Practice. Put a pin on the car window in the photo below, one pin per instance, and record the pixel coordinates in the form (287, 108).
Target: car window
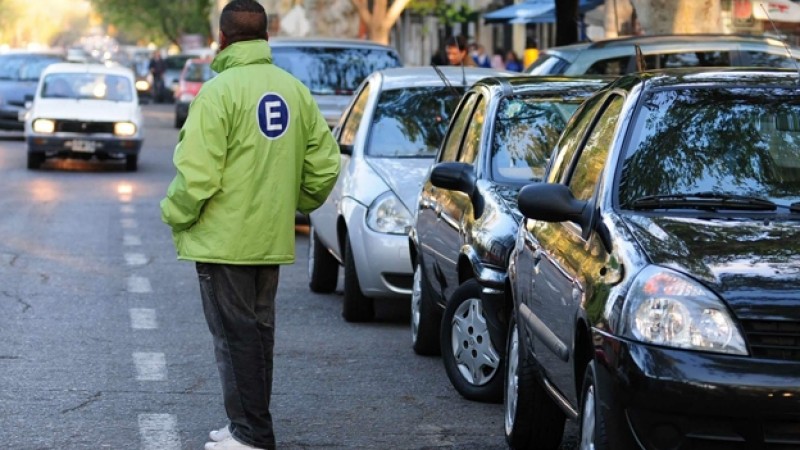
(548, 65)
(472, 139)
(730, 141)
(763, 59)
(176, 62)
(687, 59)
(350, 127)
(199, 72)
(24, 67)
(87, 86)
(592, 158)
(332, 71)
(572, 137)
(611, 66)
(411, 122)
(456, 131)
(525, 131)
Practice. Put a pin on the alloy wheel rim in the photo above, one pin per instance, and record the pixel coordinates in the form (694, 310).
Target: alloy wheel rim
(512, 381)
(475, 356)
(416, 303)
(311, 253)
(588, 421)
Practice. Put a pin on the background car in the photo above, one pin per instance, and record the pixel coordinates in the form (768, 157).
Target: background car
(389, 136)
(173, 66)
(84, 111)
(196, 72)
(19, 75)
(332, 69)
(618, 56)
(656, 280)
(466, 220)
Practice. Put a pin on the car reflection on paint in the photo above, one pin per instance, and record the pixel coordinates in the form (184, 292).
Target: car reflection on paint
(656, 278)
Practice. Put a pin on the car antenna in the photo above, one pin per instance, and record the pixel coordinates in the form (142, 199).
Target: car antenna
(463, 71)
(783, 41)
(641, 64)
(444, 79)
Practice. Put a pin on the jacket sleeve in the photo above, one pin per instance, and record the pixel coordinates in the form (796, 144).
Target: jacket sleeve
(320, 166)
(199, 160)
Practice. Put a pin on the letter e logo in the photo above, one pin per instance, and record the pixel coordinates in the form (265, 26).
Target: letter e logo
(272, 115)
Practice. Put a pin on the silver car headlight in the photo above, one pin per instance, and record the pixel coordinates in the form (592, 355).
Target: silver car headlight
(388, 215)
(664, 307)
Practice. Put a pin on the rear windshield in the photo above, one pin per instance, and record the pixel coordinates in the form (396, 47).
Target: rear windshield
(87, 86)
(548, 65)
(199, 72)
(332, 71)
(734, 141)
(411, 123)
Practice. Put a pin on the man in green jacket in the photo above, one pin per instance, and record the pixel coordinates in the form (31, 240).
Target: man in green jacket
(255, 148)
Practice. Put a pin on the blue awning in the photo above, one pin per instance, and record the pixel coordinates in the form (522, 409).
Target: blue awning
(534, 11)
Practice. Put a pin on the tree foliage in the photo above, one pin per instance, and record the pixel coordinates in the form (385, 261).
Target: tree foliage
(448, 14)
(157, 20)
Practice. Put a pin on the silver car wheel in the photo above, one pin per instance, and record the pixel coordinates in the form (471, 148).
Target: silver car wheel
(416, 303)
(588, 421)
(311, 245)
(512, 382)
(475, 356)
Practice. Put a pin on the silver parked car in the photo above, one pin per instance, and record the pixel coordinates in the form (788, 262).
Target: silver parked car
(389, 136)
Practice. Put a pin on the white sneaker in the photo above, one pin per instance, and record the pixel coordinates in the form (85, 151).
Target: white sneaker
(229, 444)
(221, 434)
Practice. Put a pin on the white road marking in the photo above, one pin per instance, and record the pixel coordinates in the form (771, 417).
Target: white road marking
(128, 223)
(131, 240)
(127, 209)
(159, 432)
(139, 285)
(135, 259)
(150, 366)
(143, 319)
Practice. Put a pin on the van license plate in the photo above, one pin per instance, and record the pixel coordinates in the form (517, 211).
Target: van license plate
(82, 146)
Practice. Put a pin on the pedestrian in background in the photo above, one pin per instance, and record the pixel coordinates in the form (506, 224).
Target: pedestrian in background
(531, 53)
(498, 59)
(254, 149)
(512, 62)
(455, 49)
(480, 56)
(157, 67)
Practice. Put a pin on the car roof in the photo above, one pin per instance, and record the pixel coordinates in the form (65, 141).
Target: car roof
(713, 77)
(529, 84)
(401, 77)
(327, 42)
(87, 68)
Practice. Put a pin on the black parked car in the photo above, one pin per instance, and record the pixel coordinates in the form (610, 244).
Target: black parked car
(466, 221)
(656, 279)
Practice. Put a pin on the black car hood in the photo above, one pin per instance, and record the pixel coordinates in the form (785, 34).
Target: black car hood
(15, 91)
(753, 264)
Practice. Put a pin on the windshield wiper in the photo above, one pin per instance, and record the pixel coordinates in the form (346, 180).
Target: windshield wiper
(704, 200)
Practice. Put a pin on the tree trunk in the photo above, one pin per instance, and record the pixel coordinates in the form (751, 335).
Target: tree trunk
(679, 16)
(618, 20)
(566, 22)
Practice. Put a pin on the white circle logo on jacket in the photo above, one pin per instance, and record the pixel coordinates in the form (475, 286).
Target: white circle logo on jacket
(272, 115)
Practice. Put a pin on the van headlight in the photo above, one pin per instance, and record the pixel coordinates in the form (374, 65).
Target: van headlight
(44, 126)
(142, 85)
(388, 215)
(664, 307)
(124, 129)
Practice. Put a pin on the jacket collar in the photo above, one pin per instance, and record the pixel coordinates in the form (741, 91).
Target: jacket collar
(241, 54)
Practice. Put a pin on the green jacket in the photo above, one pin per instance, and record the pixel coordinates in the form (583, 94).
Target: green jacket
(254, 149)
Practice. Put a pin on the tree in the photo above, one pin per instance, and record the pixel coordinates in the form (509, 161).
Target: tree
(679, 16)
(157, 20)
(381, 18)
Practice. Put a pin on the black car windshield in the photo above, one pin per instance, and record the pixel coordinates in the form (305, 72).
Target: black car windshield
(525, 132)
(24, 67)
(87, 86)
(332, 71)
(736, 148)
(411, 122)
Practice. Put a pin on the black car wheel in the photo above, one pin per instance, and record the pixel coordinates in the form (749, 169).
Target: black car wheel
(471, 360)
(356, 307)
(426, 318)
(323, 269)
(35, 160)
(593, 426)
(532, 420)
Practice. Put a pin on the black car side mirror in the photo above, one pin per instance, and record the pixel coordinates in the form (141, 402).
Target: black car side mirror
(346, 149)
(552, 203)
(454, 176)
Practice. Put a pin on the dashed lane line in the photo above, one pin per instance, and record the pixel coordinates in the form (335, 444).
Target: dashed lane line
(139, 285)
(159, 432)
(150, 366)
(143, 319)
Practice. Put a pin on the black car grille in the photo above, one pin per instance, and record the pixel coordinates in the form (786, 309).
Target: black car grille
(78, 126)
(773, 339)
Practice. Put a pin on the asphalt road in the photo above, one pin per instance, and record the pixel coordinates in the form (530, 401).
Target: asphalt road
(103, 343)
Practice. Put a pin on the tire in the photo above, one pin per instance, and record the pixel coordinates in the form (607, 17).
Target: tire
(179, 121)
(131, 163)
(471, 360)
(426, 317)
(532, 419)
(35, 160)
(356, 307)
(593, 433)
(323, 269)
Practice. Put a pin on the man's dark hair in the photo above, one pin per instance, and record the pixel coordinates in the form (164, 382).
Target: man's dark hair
(459, 41)
(243, 20)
